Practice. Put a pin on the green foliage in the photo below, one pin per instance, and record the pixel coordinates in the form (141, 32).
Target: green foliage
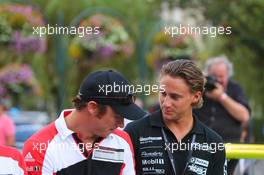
(245, 46)
(139, 12)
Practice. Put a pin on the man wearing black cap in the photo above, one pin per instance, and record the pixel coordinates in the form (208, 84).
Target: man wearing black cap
(85, 140)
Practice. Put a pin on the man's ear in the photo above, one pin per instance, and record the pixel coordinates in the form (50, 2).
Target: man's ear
(92, 108)
(196, 97)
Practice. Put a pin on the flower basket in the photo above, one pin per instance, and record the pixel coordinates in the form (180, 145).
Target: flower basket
(17, 79)
(16, 29)
(110, 42)
(166, 48)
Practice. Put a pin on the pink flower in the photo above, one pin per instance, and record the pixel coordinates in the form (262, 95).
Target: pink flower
(26, 44)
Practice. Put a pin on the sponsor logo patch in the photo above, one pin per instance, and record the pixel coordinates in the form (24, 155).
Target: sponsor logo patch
(149, 139)
(29, 158)
(152, 170)
(198, 161)
(151, 154)
(108, 154)
(197, 169)
(198, 166)
(152, 161)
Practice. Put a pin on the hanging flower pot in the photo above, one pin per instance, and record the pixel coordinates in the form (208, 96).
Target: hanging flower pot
(16, 29)
(112, 40)
(17, 79)
(166, 48)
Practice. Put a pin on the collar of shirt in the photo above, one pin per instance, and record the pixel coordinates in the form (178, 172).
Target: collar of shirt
(156, 121)
(61, 126)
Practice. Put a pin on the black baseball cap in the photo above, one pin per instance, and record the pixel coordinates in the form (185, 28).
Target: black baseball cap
(111, 88)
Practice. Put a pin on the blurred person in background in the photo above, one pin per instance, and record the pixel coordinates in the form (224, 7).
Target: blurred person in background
(225, 106)
(154, 107)
(7, 127)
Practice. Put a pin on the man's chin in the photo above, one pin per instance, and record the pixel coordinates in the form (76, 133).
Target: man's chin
(168, 116)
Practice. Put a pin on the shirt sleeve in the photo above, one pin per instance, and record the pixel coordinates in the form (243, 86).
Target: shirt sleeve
(240, 96)
(129, 168)
(220, 162)
(36, 160)
(11, 161)
(131, 132)
(128, 165)
(21, 165)
(128, 129)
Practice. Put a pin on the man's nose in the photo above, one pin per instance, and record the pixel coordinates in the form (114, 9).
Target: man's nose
(166, 101)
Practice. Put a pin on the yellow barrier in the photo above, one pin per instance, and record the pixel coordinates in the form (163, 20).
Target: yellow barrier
(246, 151)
